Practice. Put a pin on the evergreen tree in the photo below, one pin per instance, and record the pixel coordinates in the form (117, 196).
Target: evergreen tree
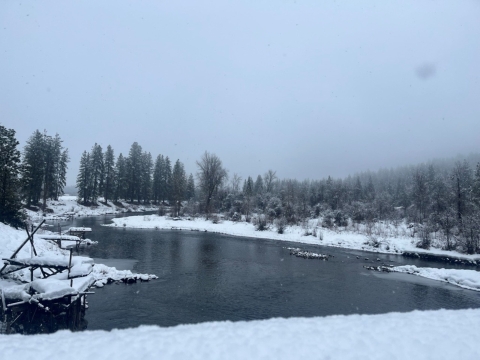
(158, 172)
(109, 174)
(476, 186)
(179, 184)
(146, 180)
(134, 172)
(258, 188)
(121, 178)
(97, 171)
(167, 181)
(33, 169)
(190, 191)
(358, 190)
(84, 179)
(461, 181)
(10, 206)
(44, 168)
(60, 178)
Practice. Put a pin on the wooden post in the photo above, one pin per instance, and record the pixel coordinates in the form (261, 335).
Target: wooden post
(69, 267)
(21, 246)
(4, 306)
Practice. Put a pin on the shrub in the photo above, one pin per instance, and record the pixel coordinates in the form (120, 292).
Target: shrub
(261, 223)
(281, 224)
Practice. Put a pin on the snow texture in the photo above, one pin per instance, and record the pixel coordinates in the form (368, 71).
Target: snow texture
(468, 279)
(67, 206)
(51, 254)
(441, 334)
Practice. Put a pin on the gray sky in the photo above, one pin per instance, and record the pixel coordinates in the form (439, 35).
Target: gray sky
(307, 88)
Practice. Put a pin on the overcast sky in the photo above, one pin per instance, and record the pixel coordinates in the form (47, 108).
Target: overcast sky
(306, 88)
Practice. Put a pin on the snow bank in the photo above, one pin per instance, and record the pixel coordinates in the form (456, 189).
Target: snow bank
(50, 254)
(468, 279)
(417, 335)
(344, 239)
(67, 206)
(104, 274)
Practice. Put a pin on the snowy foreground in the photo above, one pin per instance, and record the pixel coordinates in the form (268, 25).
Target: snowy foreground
(441, 334)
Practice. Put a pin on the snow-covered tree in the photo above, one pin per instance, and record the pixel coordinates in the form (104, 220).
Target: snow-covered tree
(10, 206)
(211, 175)
(109, 173)
(190, 191)
(179, 184)
(84, 178)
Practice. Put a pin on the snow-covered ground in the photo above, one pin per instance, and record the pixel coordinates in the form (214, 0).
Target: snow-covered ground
(344, 239)
(442, 334)
(468, 279)
(18, 282)
(67, 206)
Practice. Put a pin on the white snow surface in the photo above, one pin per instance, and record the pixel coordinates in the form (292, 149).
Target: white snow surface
(67, 206)
(49, 253)
(441, 334)
(468, 279)
(343, 239)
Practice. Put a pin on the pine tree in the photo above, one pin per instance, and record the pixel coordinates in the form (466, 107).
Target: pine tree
(358, 190)
(258, 188)
(179, 184)
(461, 181)
(97, 171)
(248, 193)
(84, 179)
(10, 205)
(52, 182)
(109, 174)
(60, 176)
(134, 172)
(190, 191)
(146, 180)
(121, 178)
(167, 181)
(476, 186)
(33, 168)
(157, 178)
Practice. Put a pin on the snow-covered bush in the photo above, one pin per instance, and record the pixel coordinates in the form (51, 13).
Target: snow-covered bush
(281, 224)
(261, 223)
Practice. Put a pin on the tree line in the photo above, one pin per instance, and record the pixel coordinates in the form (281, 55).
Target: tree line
(132, 178)
(440, 197)
(32, 177)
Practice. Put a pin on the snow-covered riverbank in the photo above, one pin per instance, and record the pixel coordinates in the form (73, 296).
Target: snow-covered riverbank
(325, 237)
(469, 279)
(438, 334)
(67, 207)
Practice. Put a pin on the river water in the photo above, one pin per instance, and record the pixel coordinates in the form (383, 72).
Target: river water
(212, 277)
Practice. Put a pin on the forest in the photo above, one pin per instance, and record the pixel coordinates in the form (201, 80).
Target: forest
(439, 199)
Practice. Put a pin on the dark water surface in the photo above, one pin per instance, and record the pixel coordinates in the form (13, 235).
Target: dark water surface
(207, 277)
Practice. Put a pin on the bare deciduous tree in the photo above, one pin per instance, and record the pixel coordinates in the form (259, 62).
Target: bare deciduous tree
(236, 179)
(211, 175)
(269, 179)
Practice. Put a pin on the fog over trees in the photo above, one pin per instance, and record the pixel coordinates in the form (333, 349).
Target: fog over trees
(439, 200)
